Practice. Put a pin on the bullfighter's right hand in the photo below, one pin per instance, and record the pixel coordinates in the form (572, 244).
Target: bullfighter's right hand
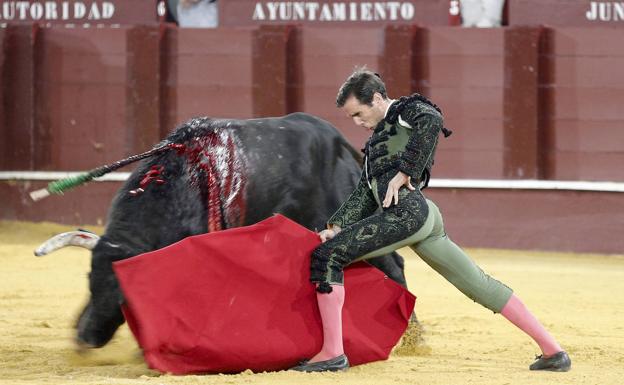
(328, 234)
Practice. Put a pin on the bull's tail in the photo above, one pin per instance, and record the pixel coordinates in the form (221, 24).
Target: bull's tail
(357, 155)
(62, 185)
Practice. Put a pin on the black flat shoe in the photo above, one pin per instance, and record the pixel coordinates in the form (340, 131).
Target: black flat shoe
(559, 362)
(332, 365)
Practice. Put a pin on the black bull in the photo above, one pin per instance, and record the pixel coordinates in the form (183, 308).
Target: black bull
(222, 173)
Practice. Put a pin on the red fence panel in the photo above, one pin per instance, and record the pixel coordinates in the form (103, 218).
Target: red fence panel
(3, 90)
(83, 78)
(466, 79)
(328, 56)
(209, 73)
(580, 221)
(18, 86)
(523, 102)
(584, 117)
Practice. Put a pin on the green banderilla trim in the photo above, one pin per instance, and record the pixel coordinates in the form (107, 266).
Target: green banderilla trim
(61, 185)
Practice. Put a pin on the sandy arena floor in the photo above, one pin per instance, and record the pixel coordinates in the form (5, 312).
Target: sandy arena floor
(580, 298)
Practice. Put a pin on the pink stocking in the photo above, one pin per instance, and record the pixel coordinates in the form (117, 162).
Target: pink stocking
(519, 315)
(330, 307)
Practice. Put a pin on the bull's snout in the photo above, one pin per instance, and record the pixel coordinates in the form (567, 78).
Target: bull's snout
(82, 347)
(96, 330)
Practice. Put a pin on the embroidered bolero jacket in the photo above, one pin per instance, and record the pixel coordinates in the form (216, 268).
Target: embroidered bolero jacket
(405, 140)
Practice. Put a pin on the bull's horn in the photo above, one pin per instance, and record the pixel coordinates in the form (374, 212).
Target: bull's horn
(80, 238)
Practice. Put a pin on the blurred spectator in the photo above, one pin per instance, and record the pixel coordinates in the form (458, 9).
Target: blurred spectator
(194, 13)
(481, 13)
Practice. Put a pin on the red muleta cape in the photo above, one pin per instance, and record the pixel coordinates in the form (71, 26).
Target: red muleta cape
(241, 298)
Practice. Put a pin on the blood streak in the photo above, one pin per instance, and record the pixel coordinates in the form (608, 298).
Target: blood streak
(178, 147)
(154, 174)
(217, 159)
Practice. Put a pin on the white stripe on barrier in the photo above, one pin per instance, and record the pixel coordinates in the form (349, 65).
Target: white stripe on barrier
(527, 184)
(506, 184)
(56, 175)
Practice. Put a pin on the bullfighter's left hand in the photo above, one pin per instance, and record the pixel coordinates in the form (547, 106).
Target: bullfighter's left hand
(392, 194)
(328, 234)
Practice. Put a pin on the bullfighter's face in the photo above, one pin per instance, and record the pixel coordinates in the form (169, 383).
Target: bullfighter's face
(366, 115)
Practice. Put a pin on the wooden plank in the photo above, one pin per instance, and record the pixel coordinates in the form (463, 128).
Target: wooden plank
(521, 102)
(3, 90)
(83, 96)
(397, 63)
(270, 71)
(143, 87)
(469, 102)
(466, 71)
(464, 163)
(19, 99)
(517, 219)
(590, 166)
(466, 41)
(589, 135)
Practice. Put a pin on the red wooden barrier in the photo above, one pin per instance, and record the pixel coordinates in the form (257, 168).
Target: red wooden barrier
(466, 79)
(80, 97)
(3, 90)
(328, 56)
(399, 64)
(521, 103)
(524, 102)
(143, 87)
(583, 84)
(87, 205)
(579, 221)
(18, 84)
(209, 73)
(85, 83)
(270, 70)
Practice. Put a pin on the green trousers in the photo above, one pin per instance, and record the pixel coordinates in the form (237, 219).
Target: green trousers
(430, 242)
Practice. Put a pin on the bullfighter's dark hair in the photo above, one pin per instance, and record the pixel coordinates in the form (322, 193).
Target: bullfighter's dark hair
(362, 83)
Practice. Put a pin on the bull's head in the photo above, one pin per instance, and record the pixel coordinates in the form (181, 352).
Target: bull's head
(102, 315)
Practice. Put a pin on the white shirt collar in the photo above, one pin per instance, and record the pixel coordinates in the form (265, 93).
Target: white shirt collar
(387, 108)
